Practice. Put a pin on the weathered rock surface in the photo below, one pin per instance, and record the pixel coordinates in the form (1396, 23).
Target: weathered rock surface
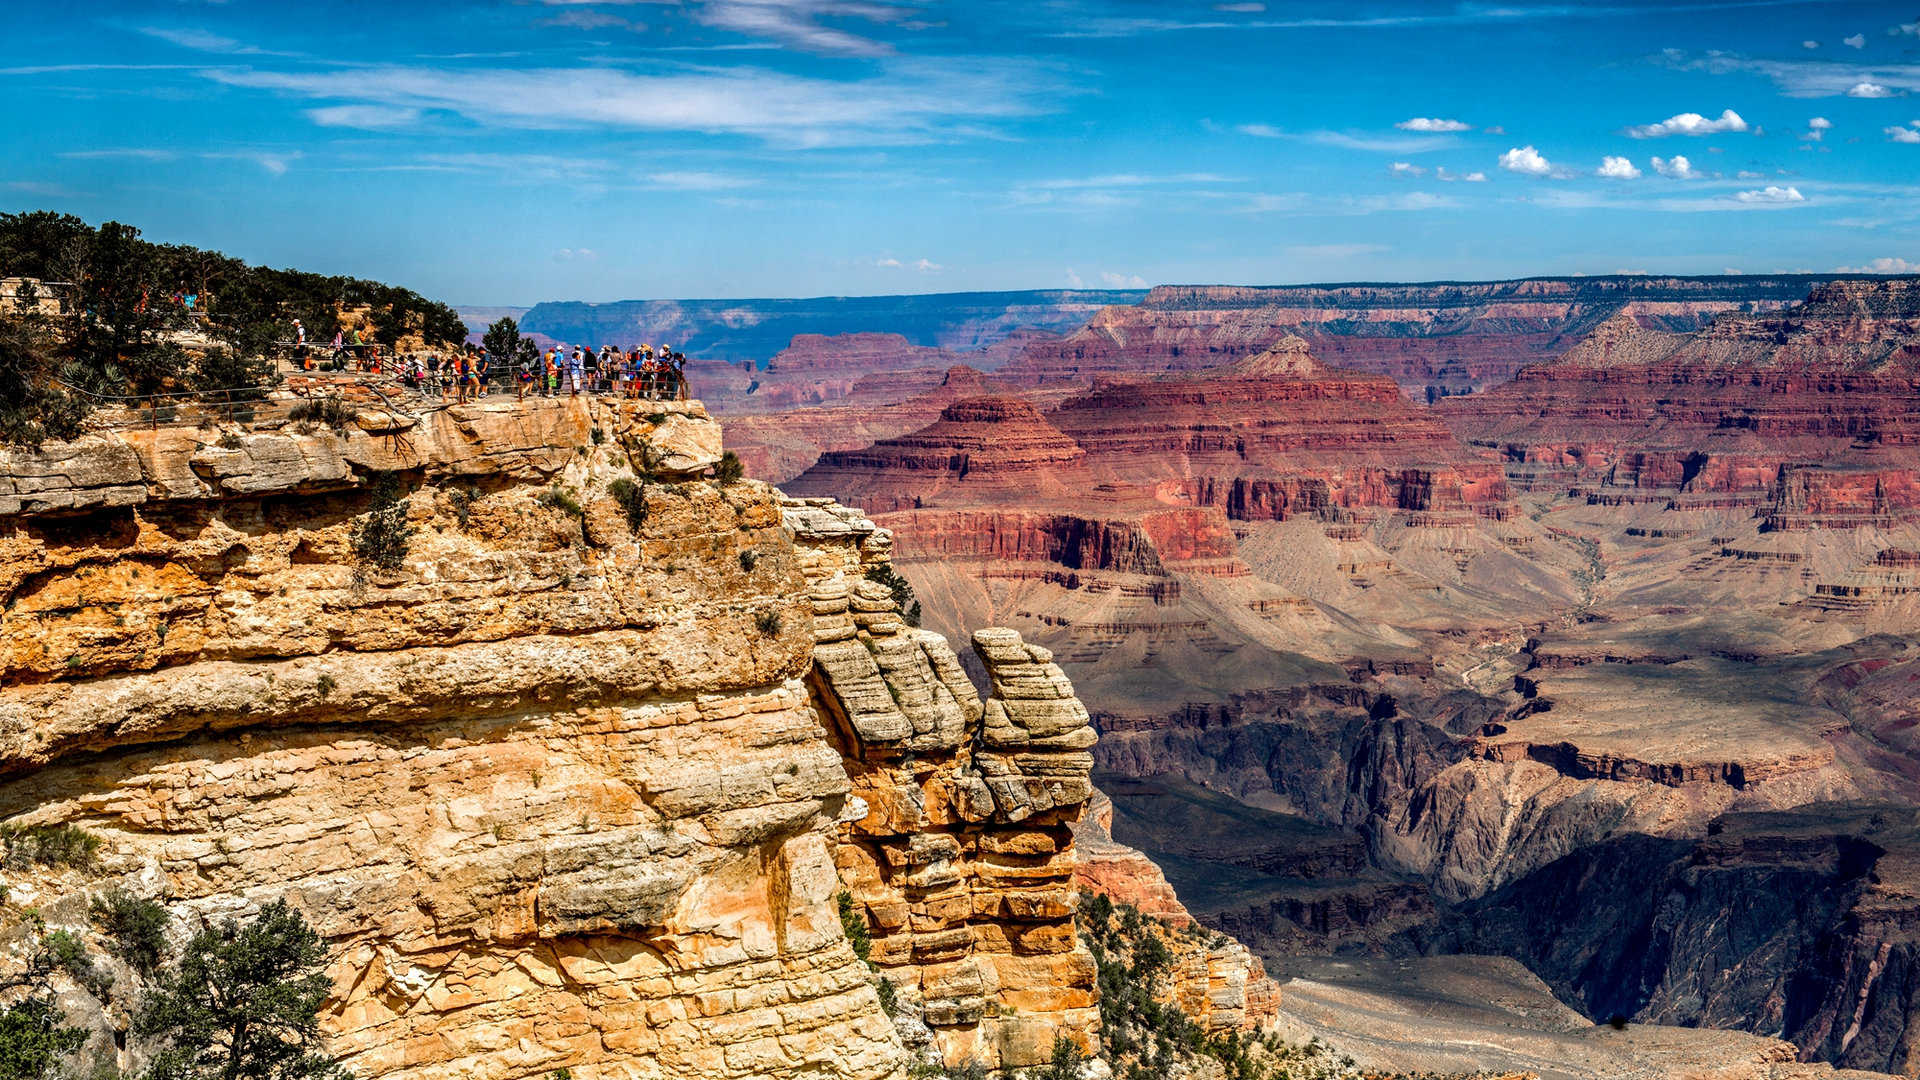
(963, 857)
(565, 787)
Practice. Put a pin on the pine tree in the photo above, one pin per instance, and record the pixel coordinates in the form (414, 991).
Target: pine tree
(243, 1004)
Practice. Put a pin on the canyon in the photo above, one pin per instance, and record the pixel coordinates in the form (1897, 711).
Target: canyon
(1440, 734)
(1381, 681)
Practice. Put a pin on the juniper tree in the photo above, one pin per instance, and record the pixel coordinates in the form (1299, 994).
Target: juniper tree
(243, 1004)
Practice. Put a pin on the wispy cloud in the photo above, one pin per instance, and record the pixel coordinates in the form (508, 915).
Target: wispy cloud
(1471, 177)
(699, 181)
(1806, 78)
(925, 101)
(1354, 140)
(368, 117)
(1429, 123)
(274, 162)
(806, 25)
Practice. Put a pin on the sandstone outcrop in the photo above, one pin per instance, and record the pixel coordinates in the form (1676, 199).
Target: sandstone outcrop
(963, 857)
(564, 781)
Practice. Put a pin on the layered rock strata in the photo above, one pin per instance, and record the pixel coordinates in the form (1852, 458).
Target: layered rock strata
(554, 775)
(1805, 416)
(961, 853)
(1443, 337)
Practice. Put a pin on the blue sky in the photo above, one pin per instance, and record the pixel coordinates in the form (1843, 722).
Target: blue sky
(504, 153)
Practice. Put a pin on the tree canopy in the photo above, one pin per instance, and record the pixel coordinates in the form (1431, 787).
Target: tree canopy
(124, 299)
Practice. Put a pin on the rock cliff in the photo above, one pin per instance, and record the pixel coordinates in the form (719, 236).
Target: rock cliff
(558, 764)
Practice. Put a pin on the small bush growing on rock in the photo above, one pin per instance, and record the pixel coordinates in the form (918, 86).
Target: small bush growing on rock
(463, 499)
(749, 559)
(729, 469)
(136, 929)
(324, 685)
(33, 1040)
(381, 538)
(632, 499)
(902, 591)
(889, 997)
(1065, 1063)
(769, 623)
(855, 925)
(49, 845)
(331, 410)
(564, 500)
(1617, 1022)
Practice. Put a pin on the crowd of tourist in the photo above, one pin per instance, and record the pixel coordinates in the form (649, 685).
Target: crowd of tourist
(470, 372)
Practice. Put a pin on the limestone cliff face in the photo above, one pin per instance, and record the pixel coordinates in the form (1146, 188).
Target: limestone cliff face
(960, 849)
(564, 787)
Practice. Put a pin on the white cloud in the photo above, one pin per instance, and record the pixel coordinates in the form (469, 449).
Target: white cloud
(1881, 266)
(1809, 44)
(1868, 90)
(1526, 161)
(1676, 168)
(1772, 194)
(1241, 8)
(1122, 281)
(1471, 178)
(1903, 134)
(888, 263)
(1858, 41)
(1496, 130)
(1911, 29)
(1348, 140)
(1618, 168)
(1402, 168)
(370, 117)
(1432, 124)
(1073, 279)
(1261, 131)
(1690, 124)
(1335, 251)
(927, 266)
(575, 255)
(1130, 180)
(1817, 129)
(901, 103)
(698, 181)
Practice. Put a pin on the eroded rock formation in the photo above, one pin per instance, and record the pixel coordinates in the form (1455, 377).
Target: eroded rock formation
(557, 777)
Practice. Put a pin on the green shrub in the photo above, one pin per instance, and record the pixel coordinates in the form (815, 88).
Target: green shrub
(889, 996)
(564, 500)
(49, 845)
(902, 591)
(632, 499)
(770, 623)
(729, 470)
(463, 499)
(330, 410)
(325, 684)
(136, 929)
(749, 559)
(33, 1039)
(382, 536)
(855, 925)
